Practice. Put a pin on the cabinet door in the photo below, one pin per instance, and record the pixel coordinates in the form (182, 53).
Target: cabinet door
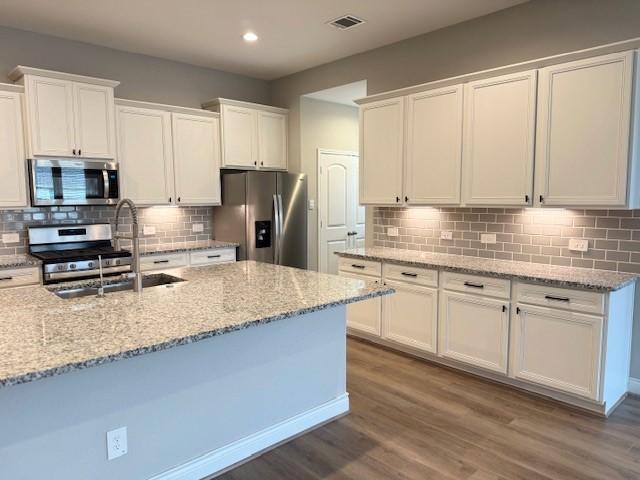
(94, 120)
(498, 148)
(410, 316)
(364, 316)
(50, 116)
(196, 159)
(145, 155)
(474, 330)
(434, 147)
(584, 115)
(272, 135)
(13, 192)
(239, 137)
(558, 349)
(381, 147)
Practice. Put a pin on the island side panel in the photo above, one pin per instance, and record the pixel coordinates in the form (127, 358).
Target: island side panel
(178, 404)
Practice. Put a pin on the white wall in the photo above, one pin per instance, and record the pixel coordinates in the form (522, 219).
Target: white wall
(323, 125)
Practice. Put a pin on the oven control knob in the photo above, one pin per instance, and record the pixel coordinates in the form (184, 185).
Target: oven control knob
(72, 266)
(107, 263)
(90, 264)
(60, 267)
(117, 262)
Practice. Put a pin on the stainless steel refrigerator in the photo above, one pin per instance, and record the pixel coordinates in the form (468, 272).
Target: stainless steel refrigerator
(266, 213)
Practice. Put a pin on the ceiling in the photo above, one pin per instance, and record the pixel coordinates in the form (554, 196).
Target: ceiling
(343, 94)
(293, 33)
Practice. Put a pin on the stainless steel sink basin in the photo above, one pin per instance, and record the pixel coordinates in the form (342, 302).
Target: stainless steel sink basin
(91, 288)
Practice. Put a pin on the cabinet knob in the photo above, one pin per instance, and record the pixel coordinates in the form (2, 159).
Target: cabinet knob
(74, 151)
(179, 199)
(526, 199)
(261, 163)
(397, 199)
(170, 199)
(255, 163)
(79, 152)
(541, 199)
(406, 199)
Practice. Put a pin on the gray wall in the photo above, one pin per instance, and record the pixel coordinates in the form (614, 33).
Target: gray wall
(142, 77)
(329, 126)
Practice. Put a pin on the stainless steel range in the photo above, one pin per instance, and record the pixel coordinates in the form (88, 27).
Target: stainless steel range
(72, 252)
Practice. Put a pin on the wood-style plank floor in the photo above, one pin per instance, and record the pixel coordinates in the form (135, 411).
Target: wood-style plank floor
(411, 419)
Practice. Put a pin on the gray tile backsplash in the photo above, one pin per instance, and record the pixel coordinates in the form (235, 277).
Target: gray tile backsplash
(173, 224)
(529, 235)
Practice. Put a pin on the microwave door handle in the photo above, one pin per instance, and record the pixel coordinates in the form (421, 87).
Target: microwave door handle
(105, 181)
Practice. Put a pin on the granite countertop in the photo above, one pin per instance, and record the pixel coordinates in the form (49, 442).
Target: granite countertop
(18, 261)
(42, 335)
(186, 247)
(568, 277)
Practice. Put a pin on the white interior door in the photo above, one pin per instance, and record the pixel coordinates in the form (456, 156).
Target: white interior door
(341, 218)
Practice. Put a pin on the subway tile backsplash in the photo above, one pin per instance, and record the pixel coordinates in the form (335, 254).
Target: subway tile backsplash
(528, 235)
(173, 224)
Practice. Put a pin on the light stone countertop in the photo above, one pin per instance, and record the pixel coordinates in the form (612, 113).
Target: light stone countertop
(186, 247)
(557, 276)
(42, 335)
(18, 261)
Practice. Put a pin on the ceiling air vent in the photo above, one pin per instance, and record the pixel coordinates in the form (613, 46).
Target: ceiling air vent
(346, 21)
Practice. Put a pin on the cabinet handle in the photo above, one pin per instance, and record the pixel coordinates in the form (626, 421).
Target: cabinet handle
(354, 265)
(541, 199)
(170, 199)
(179, 199)
(255, 163)
(160, 261)
(4, 279)
(79, 152)
(213, 256)
(557, 299)
(408, 274)
(261, 163)
(526, 199)
(397, 199)
(406, 199)
(504, 308)
(473, 285)
(517, 310)
(74, 151)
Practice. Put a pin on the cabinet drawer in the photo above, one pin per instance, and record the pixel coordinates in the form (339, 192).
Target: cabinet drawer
(489, 286)
(163, 261)
(210, 257)
(17, 277)
(414, 275)
(562, 298)
(361, 267)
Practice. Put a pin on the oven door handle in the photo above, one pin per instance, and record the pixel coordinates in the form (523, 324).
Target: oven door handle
(105, 182)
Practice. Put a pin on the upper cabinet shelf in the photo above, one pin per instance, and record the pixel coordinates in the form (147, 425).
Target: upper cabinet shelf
(68, 115)
(573, 127)
(254, 136)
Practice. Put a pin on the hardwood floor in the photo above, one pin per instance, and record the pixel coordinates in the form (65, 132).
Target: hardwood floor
(414, 420)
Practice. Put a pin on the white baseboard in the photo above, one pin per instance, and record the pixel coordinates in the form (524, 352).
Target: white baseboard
(235, 452)
(634, 385)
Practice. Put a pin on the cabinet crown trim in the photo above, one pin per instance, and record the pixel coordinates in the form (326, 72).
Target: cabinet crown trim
(123, 102)
(20, 71)
(216, 102)
(9, 87)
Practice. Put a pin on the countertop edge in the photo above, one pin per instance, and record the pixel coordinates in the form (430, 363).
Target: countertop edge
(473, 271)
(84, 364)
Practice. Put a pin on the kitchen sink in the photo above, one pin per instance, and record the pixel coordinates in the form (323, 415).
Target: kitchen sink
(91, 288)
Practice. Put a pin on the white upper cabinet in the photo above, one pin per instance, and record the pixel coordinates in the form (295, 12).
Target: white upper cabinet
(583, 138)
(145, 153)
(68, 115)
(254, 136)
(381, 151)
(196, 150)
(498, 146)
(13, 183)
(434, 147)
(272, 140)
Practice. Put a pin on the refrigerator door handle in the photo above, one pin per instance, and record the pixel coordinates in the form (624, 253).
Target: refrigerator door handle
(276, 229)
(280, 228)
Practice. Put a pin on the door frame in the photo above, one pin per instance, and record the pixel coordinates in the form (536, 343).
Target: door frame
(319, 152)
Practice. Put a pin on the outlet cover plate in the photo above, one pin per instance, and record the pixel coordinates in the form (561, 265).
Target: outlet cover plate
(579, 244)
(446, 235)
(392, 231)
(488, 238)
(149, 230)
(10, 238)
(117, 443)
(197, 227)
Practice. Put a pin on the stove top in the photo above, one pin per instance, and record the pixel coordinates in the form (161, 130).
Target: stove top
(79, 254)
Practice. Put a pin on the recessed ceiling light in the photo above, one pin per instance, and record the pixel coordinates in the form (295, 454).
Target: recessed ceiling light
(250, 37)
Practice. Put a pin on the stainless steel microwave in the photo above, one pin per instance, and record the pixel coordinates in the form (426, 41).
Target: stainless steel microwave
(73, 182)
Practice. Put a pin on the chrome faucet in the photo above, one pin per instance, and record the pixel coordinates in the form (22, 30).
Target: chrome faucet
(135, 240)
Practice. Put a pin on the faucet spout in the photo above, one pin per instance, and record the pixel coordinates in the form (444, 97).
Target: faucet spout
(135, 240)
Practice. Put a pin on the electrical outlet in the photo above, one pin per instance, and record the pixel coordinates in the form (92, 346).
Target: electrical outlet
(197, 227)
(117, 443)
(488, 238)
(149, 230)
(578, 244)
(10, 238)
(392, 231)
(446, 235)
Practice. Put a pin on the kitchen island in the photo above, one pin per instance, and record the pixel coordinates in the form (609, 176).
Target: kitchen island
(260, 357)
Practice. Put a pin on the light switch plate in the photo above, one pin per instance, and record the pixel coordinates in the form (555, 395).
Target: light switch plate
(197, 227)
(446, 235)
(392, 231)
(578, 244)
(488, 238)
(10, 238)
(149, 230)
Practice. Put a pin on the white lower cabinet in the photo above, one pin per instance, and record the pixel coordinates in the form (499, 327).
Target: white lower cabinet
(365, 317)
(558, 349)
(410, 316)
(163, 261)
(212, 257)
(474, 330)
(18, 277)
